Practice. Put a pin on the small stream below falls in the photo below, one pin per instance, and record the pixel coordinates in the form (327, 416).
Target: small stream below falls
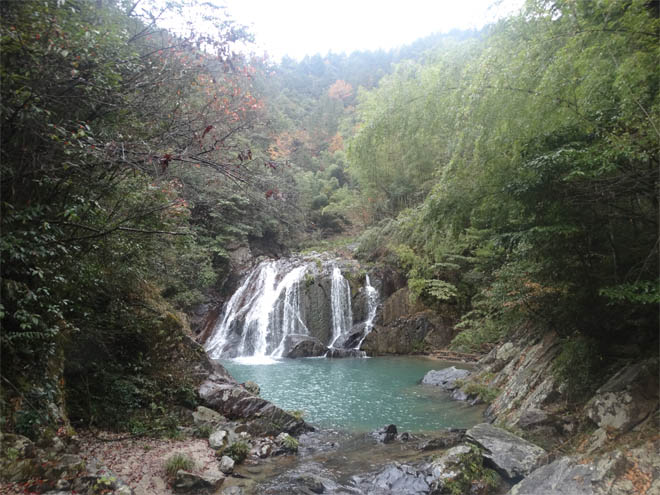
(357, 394)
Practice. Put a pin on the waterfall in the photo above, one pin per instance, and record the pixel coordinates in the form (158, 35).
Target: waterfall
(263, 311)
(342, 316)
(372, 307)
(283, 303)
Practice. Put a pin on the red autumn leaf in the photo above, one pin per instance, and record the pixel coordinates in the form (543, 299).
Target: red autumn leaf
(207, 130)
(164, 162)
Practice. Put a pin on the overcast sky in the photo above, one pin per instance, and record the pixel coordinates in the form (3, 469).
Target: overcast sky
(305, 27)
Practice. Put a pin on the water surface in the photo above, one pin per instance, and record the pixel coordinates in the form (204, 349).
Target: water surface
(358, 394)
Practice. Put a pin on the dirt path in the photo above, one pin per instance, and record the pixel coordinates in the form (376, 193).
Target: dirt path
(140, 461)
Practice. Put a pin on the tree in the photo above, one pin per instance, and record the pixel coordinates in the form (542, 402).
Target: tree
(541, 143)
(340, 90)
(108, 123)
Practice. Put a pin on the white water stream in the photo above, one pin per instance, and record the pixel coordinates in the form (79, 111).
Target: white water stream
(266, 309)
(342, 314)
(372, 307)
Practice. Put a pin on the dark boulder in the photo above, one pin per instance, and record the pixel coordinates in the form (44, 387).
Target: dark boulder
(355, 337)
(300, 346)
(386, 434)
(233, 401)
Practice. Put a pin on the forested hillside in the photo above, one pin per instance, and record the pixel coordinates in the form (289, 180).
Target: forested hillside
(517, 177)
(510, 173)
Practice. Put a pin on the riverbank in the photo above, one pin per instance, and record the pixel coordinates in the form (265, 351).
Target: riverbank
(482, 459)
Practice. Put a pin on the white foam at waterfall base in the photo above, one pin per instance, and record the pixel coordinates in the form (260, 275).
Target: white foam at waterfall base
(256, 360)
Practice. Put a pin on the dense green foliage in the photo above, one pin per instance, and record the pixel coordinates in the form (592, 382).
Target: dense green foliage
(511, 173)
(125, 162)
(538, 148)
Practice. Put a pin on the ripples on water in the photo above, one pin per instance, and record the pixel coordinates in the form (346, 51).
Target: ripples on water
(357, 394)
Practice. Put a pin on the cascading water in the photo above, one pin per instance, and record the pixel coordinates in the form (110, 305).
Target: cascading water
(342, 315)
(372, 307)
(262, 312)
(284, 302)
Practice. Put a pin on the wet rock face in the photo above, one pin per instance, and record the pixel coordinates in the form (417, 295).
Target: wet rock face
(445, 378)
(316, 295)
(316, 307)
(410, 334)
(627, 398)
(524, 374)
(615, 473)
(510, 455)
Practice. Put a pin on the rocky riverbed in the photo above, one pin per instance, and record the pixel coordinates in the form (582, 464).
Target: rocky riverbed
(531, 442)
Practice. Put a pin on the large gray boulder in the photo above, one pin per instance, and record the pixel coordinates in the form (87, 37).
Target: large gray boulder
(300, 346)
(203, 416)
(510, 455)
(226, 465)
(446, 467)
(399, 479)
(445, 378)
(562, 477)
(224, 395)
(627, 398)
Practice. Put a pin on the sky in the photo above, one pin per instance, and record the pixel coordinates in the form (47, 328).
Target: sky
(305, 27)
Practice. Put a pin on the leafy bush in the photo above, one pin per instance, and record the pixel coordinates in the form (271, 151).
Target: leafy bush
(319, 202)
(178, 462)
(484, 392)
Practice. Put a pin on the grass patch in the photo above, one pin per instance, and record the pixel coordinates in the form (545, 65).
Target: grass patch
(178, 462)
(291, 444)
(238, 451)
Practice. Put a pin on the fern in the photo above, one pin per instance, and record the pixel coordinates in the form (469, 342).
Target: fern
(441, 290)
